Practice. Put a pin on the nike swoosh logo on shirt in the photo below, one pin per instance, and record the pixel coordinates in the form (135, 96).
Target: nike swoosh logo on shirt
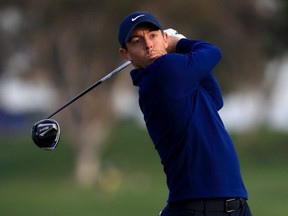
(135, 18)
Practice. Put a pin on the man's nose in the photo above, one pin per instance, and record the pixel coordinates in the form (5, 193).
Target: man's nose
(148, 43)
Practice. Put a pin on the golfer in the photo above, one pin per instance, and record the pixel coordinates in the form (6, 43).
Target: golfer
(180, 99)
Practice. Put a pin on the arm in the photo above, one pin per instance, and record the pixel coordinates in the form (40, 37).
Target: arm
(179, 73)
(212, 87)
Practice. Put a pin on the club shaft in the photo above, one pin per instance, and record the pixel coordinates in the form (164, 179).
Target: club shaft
(108, 76)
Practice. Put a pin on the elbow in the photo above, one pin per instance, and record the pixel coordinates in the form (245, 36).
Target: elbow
(218, 53)
(220, 104)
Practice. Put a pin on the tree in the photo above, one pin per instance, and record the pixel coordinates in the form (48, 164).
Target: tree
(72, 43)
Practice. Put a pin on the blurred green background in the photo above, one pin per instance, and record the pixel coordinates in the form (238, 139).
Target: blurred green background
(105, 164)
(37, 182)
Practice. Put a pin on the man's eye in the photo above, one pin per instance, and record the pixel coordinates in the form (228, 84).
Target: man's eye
(135, 41)
(153, 35)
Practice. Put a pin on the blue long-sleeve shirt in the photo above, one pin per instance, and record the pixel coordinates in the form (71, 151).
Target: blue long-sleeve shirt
(180, 99)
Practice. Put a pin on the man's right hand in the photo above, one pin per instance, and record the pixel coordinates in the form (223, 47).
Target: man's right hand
(173, 32)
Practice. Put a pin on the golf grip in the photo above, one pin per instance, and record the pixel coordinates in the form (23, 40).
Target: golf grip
(108, 76)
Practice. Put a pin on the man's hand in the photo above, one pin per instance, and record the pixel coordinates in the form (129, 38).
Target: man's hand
(173, 32)
(173, 39)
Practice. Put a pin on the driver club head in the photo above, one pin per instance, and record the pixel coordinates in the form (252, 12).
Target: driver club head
(46, 134)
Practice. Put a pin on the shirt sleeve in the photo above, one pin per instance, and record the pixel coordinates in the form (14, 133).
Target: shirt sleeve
(212, 88)
(177, 74)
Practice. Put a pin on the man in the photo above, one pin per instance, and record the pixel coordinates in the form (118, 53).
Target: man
(180, 100)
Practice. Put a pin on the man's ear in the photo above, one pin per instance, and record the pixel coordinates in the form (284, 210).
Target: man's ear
(125, 54)
(166, 39)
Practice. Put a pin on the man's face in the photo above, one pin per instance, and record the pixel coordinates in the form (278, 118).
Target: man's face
(145, 45)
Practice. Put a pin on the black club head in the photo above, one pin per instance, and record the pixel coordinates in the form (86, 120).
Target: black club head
(46, 134)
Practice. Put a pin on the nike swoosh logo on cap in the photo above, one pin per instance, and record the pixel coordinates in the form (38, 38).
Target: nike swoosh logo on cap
(135, 18)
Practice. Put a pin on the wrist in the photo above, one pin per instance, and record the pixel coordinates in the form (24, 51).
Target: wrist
(173, 39)
(172, 44)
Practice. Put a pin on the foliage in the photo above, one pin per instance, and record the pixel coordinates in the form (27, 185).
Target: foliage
(71, 43)
(247, 34)
(277, 43)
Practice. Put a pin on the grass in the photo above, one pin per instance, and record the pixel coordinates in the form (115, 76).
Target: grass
(37, 182)
(263, 156)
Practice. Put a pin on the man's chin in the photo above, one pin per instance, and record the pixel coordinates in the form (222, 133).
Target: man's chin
(150, 61)
(147, 62)
(153, 58)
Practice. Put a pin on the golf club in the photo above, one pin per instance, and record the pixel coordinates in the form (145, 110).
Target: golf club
(46, 132)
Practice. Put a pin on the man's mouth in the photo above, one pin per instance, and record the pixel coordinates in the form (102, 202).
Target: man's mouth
(152, 54)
